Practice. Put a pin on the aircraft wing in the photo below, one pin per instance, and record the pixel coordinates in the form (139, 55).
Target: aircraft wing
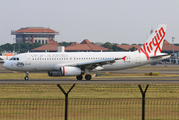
(92, 65)
(160, 55)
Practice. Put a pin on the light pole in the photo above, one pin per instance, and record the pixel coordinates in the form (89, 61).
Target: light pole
(19, 46)
(173, 49)
(14, 44)
(173, 43)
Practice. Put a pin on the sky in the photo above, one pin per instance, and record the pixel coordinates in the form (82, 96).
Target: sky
(115, 21)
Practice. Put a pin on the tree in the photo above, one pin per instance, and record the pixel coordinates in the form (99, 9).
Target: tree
(132, 49)
(124, 44)
(65, 43)
(107, 45)
(115, 48)
(24, 47)
(177, 44)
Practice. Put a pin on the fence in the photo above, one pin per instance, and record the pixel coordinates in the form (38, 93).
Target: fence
(29, 102)
(88, 109)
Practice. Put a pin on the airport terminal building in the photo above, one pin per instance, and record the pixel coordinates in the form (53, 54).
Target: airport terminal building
(34, 34)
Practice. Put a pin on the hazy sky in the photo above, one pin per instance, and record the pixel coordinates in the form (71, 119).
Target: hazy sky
(115, 21)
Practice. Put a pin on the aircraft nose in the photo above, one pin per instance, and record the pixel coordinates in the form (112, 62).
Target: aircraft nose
(5, 65)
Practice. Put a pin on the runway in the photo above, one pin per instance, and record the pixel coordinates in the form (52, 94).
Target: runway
(94, 81)
(162, 69)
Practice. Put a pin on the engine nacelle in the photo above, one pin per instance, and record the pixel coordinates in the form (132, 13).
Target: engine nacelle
(66, 71)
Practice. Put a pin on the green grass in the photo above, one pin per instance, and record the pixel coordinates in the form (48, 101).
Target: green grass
(44, 91)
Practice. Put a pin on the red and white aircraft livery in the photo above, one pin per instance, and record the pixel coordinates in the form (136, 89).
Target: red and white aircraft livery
(80, 63)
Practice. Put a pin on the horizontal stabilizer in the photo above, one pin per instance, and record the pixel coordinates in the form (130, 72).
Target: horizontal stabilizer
(160, 55)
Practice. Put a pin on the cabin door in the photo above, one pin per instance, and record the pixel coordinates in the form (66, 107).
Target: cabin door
(28, 60)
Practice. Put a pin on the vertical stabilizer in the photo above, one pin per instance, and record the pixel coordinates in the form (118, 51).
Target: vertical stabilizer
(154, 44)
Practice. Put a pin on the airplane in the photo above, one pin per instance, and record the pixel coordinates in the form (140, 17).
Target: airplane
(82, 63)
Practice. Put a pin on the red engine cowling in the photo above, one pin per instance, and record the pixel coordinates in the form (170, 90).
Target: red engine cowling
(66, 71)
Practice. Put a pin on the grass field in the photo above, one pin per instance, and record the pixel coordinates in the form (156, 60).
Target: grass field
(46, 91)
(88, 102)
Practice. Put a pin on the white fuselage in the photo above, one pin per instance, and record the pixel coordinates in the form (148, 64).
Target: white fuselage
(53, 60)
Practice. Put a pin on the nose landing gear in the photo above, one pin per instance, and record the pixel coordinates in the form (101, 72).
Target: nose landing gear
(26, 77)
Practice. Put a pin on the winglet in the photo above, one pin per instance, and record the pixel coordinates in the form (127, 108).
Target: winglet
(124, 58)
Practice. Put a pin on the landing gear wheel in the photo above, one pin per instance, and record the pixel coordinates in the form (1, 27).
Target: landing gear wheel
(26, 78)
(79, 77)
(88, 77)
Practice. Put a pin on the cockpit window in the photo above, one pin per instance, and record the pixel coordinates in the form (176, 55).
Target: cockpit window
(14, 58)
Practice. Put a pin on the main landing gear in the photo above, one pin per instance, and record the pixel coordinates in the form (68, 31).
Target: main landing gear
(79, 77)
(87, 77)
(26, 77)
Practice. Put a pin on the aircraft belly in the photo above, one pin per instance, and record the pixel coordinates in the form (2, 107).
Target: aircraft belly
(117, 66)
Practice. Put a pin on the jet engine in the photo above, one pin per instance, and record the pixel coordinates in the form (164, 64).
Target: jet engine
(66, 71)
